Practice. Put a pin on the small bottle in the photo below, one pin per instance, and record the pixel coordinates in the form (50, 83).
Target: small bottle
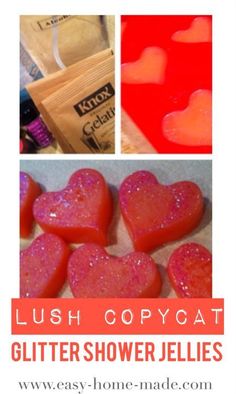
(26, 144)
(31, 120)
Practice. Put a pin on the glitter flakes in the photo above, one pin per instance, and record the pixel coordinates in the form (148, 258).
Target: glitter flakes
(52, 215)
(190, 271)
(92, 273)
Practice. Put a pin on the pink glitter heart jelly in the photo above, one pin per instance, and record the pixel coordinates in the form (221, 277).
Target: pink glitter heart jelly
(81, 212)
(154, 213)
(92, 273)
(190, 271)
(43, 267)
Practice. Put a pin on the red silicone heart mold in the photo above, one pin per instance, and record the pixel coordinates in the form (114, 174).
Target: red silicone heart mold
(186, 42)
(92, 273)
(81, 212)
(154, 213)
(190, 271)
(43, 267)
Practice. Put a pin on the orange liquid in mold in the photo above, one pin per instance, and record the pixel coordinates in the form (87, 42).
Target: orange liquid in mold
(193, 125)
(149, 68)
(199, 31)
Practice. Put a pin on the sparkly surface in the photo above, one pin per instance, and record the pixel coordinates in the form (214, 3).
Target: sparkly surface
(92, 273)
(156, 213)
(193, 125)
(81, 209)
(43, 267)
(54, 175)
(190, 271)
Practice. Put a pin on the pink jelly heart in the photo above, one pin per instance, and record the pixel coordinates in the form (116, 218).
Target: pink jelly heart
(149, 68)
(190, 271)
(193, 125)
(43, 267)
(199, 31)
(93, 273)
(156, 213)
(81, 212)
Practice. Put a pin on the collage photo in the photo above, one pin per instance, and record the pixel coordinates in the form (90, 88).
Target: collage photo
(118, 197)
(118, 193)
(115, 156)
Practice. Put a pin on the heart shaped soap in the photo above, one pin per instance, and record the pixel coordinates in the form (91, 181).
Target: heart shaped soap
(149, 68)
(193, 125)
(155, 213)
(81, 212)
(190, 271)
(199, 31)
(43, 267)
(92, 273)
(29, 191)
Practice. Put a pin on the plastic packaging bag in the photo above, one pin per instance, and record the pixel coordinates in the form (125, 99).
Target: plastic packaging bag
(55, 41)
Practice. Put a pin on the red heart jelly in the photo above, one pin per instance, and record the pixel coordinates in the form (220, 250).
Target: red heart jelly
(81, 212)
(92, 273)
(154, 213)
(190, 271)
(43, 267)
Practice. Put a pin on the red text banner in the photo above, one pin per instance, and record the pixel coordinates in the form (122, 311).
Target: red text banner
(118, 316)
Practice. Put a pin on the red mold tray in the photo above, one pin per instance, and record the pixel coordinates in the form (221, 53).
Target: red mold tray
(189, 68)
